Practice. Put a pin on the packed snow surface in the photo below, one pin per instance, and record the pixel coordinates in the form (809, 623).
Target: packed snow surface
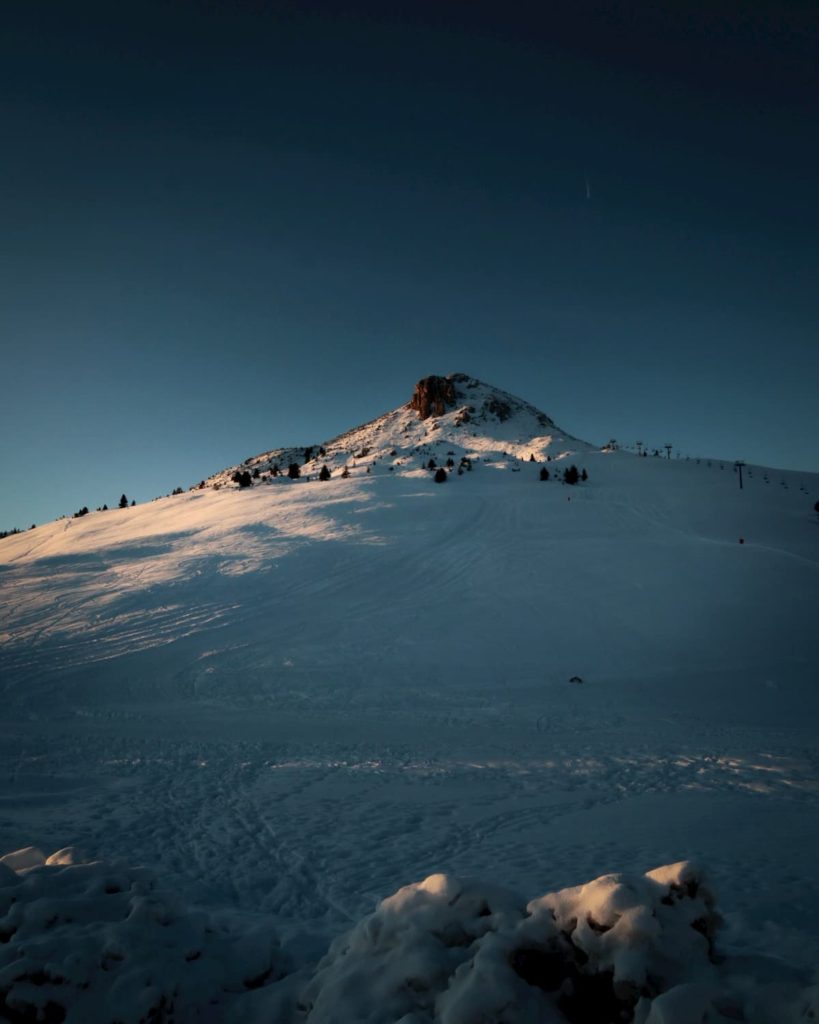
(287, 701)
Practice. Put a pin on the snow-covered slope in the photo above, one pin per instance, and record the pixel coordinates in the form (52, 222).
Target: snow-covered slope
(295, 697)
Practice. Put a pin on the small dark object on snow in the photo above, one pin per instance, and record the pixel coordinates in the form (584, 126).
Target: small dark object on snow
(576, 679)
(741, 540)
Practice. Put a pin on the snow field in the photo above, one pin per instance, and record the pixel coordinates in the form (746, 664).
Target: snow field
(288, 701)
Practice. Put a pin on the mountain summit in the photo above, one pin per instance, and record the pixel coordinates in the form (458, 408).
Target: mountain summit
(452, 417)
(470, 398)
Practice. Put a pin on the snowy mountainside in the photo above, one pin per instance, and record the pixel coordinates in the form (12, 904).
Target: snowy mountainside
(292, 699)
(447, 417)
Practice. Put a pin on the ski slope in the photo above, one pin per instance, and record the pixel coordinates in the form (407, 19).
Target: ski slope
(292, 699)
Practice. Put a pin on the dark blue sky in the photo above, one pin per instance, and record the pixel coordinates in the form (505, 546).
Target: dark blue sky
(231, 226)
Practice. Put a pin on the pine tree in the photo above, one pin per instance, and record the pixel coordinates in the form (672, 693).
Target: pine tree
(570, 475)
(293, 471)
(345, 473)
(544, 473)
(584, 475)
(123, 502)
(440, 476)
(324, 474)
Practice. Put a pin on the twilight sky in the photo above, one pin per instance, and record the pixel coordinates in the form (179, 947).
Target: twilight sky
(232, 226)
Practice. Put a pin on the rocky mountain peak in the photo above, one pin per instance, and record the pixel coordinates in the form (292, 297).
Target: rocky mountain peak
(432, 396)
(452, 416)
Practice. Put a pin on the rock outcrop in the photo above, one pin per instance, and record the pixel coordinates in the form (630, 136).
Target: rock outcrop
(432, 397)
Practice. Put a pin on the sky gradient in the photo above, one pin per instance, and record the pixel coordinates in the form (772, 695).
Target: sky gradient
(233, 226)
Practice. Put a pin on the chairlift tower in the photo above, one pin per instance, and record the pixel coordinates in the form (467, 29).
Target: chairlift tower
(738, 465)
(668, 448)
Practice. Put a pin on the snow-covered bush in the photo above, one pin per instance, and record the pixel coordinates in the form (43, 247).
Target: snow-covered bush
(90, 942)
(623, 948)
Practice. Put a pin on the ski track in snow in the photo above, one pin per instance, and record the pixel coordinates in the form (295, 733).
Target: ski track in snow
(318, 841)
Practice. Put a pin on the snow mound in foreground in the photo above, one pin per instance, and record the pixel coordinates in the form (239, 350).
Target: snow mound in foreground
(637, 948)
(95, 943)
